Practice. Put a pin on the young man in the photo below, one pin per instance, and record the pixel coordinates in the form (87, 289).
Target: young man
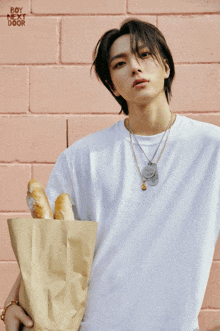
(152, 183)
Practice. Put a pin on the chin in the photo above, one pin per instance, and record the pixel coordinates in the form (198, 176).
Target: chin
(144, 99)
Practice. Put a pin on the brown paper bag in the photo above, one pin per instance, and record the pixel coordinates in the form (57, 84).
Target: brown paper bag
(55, 259)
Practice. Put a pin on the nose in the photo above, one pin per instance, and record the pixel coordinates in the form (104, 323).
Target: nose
(135, 66)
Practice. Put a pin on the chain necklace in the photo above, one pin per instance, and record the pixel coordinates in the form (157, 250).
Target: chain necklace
(159, 142)
(150, 172)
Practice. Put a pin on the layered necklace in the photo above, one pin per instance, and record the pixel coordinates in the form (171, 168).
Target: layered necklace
(150, 172)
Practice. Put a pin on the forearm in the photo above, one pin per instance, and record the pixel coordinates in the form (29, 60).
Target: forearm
(13, 295)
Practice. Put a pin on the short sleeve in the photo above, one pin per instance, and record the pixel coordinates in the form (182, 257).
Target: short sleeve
(217, 232)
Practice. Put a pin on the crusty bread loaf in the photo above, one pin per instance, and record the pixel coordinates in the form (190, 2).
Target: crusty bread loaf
(33, 184)
(63, 208)
(37, 201)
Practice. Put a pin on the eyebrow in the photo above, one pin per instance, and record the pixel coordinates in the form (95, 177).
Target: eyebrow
(118, 56)
(125, 54)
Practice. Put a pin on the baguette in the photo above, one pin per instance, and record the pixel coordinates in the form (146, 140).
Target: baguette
(63, 208)
(37, 201)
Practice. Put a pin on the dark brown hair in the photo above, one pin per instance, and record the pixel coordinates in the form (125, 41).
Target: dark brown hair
(150, 35)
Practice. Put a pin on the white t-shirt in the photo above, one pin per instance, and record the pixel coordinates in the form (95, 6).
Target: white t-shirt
(154, 248)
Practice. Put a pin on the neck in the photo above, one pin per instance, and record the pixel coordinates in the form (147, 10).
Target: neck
(149, 119)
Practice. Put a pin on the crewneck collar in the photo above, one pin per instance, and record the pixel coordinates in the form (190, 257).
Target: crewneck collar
(152, 139)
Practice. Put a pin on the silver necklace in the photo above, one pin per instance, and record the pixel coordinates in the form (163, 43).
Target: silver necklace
(150, 172)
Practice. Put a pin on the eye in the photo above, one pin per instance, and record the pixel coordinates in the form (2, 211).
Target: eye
(145, 54)
(118, 65)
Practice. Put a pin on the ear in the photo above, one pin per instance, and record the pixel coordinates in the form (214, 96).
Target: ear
(167, 69)
(114, 91)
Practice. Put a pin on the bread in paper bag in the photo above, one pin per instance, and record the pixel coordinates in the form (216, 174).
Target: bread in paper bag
(55, 258)
(37, 201)
(63, 208)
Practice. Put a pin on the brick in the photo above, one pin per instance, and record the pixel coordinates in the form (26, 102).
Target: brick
(192, 38)
(8, 274)
(217, 251)
(209, 320)
(79, 7)
(195, 88)
(13, 189)
(32, 139)
(212, 294)
(5, 6)
(14, 89)
(36, 42)
(41, 172)
(69, 90)
(6, 251)
(208, 118)
(80, 34)
(81, 126)
(170, 6)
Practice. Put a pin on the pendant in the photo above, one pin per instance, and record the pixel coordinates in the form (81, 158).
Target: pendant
(150, 174)
(143, 186)
(150, 170)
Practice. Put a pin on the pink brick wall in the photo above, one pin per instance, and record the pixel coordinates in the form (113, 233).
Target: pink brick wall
(48, 99)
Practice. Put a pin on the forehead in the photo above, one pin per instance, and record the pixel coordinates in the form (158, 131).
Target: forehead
(122, 44)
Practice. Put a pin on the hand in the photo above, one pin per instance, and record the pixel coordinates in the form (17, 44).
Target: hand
(14, 316)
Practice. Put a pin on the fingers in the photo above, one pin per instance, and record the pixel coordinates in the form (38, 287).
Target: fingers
(14, 316)
(12, 325)
(25, 328)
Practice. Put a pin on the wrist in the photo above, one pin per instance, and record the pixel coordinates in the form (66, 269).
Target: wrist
(14, 293)
(10, 299)
(13, 302)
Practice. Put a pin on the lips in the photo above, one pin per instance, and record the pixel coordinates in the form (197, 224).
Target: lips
(138, 81)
